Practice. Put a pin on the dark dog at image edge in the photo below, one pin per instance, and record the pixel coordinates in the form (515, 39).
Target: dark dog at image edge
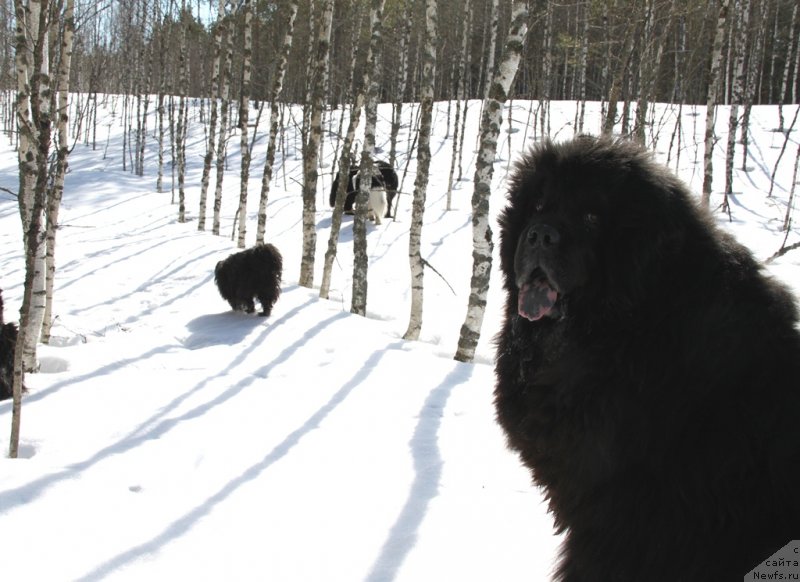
(254, 273)
(8, 342)
(648, 371)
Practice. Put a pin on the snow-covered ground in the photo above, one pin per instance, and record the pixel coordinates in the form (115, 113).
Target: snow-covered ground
(168, 438)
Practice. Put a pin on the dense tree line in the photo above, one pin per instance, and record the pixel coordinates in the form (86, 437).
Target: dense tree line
(575, 50)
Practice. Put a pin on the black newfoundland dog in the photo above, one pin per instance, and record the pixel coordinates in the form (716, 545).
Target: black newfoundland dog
(248, 275)
(384, 176)
(648, 372)
(8, 342)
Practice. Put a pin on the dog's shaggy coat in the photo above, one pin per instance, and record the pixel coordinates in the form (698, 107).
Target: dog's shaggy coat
(648, 371)
(254, 273)
(8, 342)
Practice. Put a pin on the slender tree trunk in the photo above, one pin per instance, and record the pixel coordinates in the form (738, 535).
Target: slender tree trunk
(311, 157)
(582, 64)
(358, 303)
(397, 106)
(55, 194)
(787, 65)
(423, 167)
(244, 107)
(739, 25)
(345, 161)
(711, 101)
(225, 91)
(277, 88)
(34, 126)
(459, 89)
(181, 128)
(212, 124)
(481, 230)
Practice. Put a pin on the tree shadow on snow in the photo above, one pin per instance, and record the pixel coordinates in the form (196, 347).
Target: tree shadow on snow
(428, 468)
(185, 523)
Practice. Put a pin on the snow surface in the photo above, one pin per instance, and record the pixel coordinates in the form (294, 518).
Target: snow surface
(168, 438)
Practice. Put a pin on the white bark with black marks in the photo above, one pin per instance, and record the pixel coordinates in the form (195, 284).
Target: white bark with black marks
(277, 87)
(491, 122)
(711, 101)
(311, 154)
(358, 303)
(423, 167)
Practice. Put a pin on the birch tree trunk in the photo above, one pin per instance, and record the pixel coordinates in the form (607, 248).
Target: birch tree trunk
(62, 152)
(244, 107)
(180, 144)
(459, 89)
(397, 105)
(212, 122)
(484, 168)
(711, 101)
(787, 66)
(423, 167)
(280, 73)
(358, 304)
(739, 25)
(344, 171)
(645, 71)
(311, 157)
(225, 91)
(34, 126)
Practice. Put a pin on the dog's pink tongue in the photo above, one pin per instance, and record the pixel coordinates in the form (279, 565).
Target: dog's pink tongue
(536, 300)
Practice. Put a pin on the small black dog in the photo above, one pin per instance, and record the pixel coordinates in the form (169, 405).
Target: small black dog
(8, 341)
(248, 275)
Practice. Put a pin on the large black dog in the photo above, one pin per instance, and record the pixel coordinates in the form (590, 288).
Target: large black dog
(648, 371)
(248, 275)
(8, 342)
(384, 176)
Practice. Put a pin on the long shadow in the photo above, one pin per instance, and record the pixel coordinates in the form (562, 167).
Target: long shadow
(185, 523)
(155, 426)
(428, 468)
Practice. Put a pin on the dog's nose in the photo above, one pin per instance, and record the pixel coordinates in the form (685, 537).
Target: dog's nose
(543, 236)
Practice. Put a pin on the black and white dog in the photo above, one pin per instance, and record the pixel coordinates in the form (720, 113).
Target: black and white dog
(248, 275)
(382, 190)
(8, 342)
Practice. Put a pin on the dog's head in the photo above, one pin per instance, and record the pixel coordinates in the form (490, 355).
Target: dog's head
(586, 223)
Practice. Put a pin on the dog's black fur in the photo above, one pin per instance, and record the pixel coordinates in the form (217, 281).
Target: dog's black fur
(8, 342)
(648, 371)
(385, 177)
(254, 273)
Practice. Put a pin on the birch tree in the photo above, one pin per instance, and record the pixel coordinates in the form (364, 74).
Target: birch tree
(244, 106)
(180, 131)
(33, 112)
(423, 167)
(311, 154)
(345, 161)
(61, 96)
(358, 304)
(274, 116)
(711, 101)
(739, 32)
(219, 29)
(491, 122)
(225, 91)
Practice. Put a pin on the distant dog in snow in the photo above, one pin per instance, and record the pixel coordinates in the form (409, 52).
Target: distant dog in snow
(384, 177)
(8, 341)
(248, 275)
